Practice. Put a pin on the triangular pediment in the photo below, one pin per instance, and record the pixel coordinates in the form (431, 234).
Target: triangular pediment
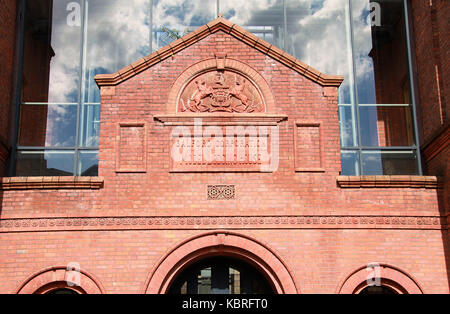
(219, 24)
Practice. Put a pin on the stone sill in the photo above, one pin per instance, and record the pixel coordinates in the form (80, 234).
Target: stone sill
(427, 182)
(51, 183)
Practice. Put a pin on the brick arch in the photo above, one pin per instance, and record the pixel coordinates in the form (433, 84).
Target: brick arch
(221, 243)
(391, 276)
(213, 64)
(54, 278)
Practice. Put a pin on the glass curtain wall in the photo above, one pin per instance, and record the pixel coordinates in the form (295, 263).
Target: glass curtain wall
(66, 43)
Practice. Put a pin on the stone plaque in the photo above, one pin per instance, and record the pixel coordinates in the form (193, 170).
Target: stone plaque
(224, 151)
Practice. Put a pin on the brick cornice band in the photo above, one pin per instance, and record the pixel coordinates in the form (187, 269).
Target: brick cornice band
(427, 182)
(51, 183)
(219, 24)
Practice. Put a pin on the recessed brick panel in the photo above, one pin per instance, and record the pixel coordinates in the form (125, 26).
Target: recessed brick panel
(308, 147)
(131, 148)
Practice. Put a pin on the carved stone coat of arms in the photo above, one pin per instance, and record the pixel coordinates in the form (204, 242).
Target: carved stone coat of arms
(221, 91)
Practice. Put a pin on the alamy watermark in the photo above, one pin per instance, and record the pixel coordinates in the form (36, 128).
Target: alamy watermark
(374, 17)
(373, 279)
(73, 274)
(238, 143)
(74, 15)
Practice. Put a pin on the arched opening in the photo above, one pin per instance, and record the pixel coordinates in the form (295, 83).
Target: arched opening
(220, 275)
(386, 286)
(58, 280)
(240, 254)
(391, 280)
(59, 287)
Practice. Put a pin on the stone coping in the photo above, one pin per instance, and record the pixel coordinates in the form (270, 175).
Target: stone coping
(221, 119)
(51, 183)
(400, 181)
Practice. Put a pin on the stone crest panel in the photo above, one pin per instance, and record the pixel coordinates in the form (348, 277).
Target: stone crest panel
(221, 91)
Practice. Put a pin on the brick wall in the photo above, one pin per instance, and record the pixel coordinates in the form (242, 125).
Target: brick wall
(7, 40)
(431, 31)
(319, 259)
(430, 24)
(321, 231)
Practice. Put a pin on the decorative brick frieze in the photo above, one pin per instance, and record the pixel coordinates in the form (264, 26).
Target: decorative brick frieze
(388, 182)
(227, 222)
(51, 183)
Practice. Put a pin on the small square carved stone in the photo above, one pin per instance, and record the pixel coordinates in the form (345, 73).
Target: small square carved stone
(221, 192)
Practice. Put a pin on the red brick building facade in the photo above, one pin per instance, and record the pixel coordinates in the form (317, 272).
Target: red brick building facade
(306, 228)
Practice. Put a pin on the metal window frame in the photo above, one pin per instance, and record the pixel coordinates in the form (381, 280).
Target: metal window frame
(18, 84)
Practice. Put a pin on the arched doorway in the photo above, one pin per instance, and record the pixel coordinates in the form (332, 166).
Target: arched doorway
(234, 251)
(220, 275)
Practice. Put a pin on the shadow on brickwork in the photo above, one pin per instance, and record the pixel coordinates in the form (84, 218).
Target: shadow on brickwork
(443, 201)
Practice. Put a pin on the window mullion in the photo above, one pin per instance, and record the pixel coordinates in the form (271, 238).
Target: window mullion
(412, 85)
(353, 85)
(82, 80)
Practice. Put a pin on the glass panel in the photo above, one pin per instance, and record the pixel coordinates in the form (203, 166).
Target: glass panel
(389, 163)
(220, 275)
(51, 54)
(265, 19)
(88, 163)
(382, 74)
(174, 19)
(90, 125)
(350, 163)
(380, 52)
(317, 34)
(386, 126)
(347, 126)
(204, 281)
(47, 125)
(235, 281)
(45, 163)
(118, 34)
